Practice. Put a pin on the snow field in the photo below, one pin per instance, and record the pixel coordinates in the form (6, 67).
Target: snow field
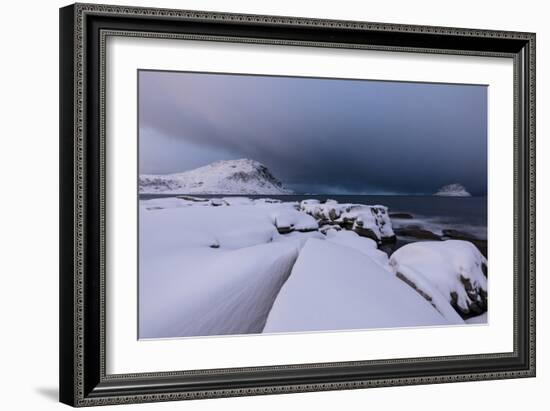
(234, 265)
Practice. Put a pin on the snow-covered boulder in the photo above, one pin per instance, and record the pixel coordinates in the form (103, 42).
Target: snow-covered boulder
(453, 190)
(371, 221)
(327, 228)
(242, 176)
(336, 287)
(289, 219)
(445, 272)
(330, 210)
(366, 220)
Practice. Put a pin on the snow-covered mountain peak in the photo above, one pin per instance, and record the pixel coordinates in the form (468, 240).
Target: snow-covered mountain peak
(242, 176)
(453, 190)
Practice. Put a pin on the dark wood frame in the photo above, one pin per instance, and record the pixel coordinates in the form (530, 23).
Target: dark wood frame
(83, 30)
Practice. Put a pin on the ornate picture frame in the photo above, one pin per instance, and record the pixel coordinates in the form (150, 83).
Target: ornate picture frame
(84, 30)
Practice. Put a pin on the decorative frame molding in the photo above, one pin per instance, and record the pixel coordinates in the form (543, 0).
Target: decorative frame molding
(83, 32)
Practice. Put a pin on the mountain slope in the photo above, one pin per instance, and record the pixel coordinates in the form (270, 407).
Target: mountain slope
(242, 176)
(453, 190)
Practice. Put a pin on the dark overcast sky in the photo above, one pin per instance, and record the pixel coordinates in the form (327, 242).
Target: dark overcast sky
(323, 136)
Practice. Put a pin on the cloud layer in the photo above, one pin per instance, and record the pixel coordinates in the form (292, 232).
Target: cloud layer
(318, 135)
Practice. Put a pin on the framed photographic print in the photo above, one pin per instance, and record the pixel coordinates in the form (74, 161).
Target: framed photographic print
(261, 204)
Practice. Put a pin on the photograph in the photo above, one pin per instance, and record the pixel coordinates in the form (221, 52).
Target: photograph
(279, 204)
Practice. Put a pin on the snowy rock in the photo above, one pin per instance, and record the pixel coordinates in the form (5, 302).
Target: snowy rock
(329, 210)
(336, 287)
(329, 228)
(450, 271)
(367, 221)
(216, 202)
(193, 198)
(287, 220)
(267, 201)
(453, 190)
(242, 176)
(373, 223)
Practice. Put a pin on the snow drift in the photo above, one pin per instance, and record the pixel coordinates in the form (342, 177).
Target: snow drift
(212, 292)
(447, 272)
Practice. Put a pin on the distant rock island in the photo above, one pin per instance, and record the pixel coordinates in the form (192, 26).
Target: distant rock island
(241, 176)
(453, 190)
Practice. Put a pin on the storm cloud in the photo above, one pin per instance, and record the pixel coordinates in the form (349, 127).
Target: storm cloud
(326, 136)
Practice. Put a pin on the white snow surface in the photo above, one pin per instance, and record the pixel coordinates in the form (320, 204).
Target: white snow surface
(216, 267)
(453, 190)
(241, 176)
(335, 287)
(169, 230)
(202, 291)
(440, 265)
(361, 244)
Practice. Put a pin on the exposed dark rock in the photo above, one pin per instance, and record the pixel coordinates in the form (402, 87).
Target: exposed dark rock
(390, 248)
(216, 202)
(333, 214)
(323, 222)
(192, 198)
(306, 230)
(389, 240)
(285, 230)
(462, 235)
(368, 233)
(478, 297)
(347, 223)
(417, 232)
(365, 232)
(413, 285)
